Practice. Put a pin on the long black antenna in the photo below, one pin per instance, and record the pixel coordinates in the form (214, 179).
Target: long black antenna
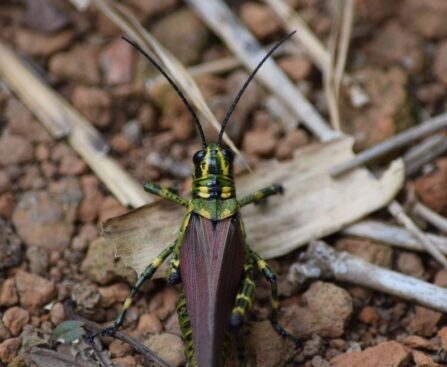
(242, 90)
(176, 88)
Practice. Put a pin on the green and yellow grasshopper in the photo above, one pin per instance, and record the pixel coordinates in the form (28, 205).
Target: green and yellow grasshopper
(210, 255)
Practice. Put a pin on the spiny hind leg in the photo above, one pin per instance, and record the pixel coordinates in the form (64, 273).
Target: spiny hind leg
(146, 275)
(185, 327)
(271, 278)
(242, 306)
(260, 195)
(174, 275)
(165, 193)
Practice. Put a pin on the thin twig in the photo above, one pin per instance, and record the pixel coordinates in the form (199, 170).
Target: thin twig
(135, 344)
(245, 46)
(431, 217)
(420, 131)
(398, 212)
(392, 235)
(426, 151)
(322, 261)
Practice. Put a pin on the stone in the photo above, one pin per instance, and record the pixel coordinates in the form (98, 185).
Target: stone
(411, 264)
(441, 278)
(394, 44)
(23, 150)
(57, 314)
(386, 354)
(387, 113)
(118, 349)
(22, 122)
(270, 349)
(116, 62)
(95, 104)
(72, 165)
(87, 234)
(110, 207)
(369, 315)
(128, 361)
(442, 334)
(115, 293)
(43, 221)
(149, 324)
(430, 188)
(368, 250)
(79, 64)
(183, 34)
(90, 204)
(38, 260)
(325, 310)
(169, 347)
(9, 349)
(4, 333)
(424, 321)
(8, 293)
(439, 62)
(44, 16)
(33, 290)
(297, 67)
(86, 296)
(101, 266)
(259, 19)
(10, 246)
(15, 318)
(431, 92)
(7, 203)
(423, 360)
(290, 142)
(38, 44)
(5, 182)
(418, 342)
(152, 8)
(375, 10)
(427, 17)
(261, 142)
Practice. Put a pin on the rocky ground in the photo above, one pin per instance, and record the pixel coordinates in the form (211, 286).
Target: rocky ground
(51, 205)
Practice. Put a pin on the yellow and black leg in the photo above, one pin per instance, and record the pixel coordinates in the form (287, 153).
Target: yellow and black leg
(174, 276)
(242, 306)
(271, 278)
(165, 194)
(185, 327)
(146, 275)
(260, 195)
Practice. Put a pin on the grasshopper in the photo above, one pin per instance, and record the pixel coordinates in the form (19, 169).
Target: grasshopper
(210, 255)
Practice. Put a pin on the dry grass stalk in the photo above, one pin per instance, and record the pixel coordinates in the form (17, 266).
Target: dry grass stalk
(62, 119)
(403, 139)
(225, 24)
(320, 56)
(392, 235)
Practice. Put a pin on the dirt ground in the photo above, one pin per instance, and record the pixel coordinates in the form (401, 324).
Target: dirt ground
(52, 205)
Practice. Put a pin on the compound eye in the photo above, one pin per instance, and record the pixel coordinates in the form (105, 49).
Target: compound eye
(228, 154)
(198, 157)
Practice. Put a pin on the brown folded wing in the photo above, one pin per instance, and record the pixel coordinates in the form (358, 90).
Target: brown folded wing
(211, 265)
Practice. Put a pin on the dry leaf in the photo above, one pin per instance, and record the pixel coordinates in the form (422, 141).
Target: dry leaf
(313, 205)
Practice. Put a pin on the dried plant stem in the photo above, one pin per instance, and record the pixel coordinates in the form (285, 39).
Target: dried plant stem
(424, 152)
(420, 131)
(62, 120)
(431, 217)
(398, 212)
(320, 260)
(392, 235)
(135, 344)
(224, 23)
